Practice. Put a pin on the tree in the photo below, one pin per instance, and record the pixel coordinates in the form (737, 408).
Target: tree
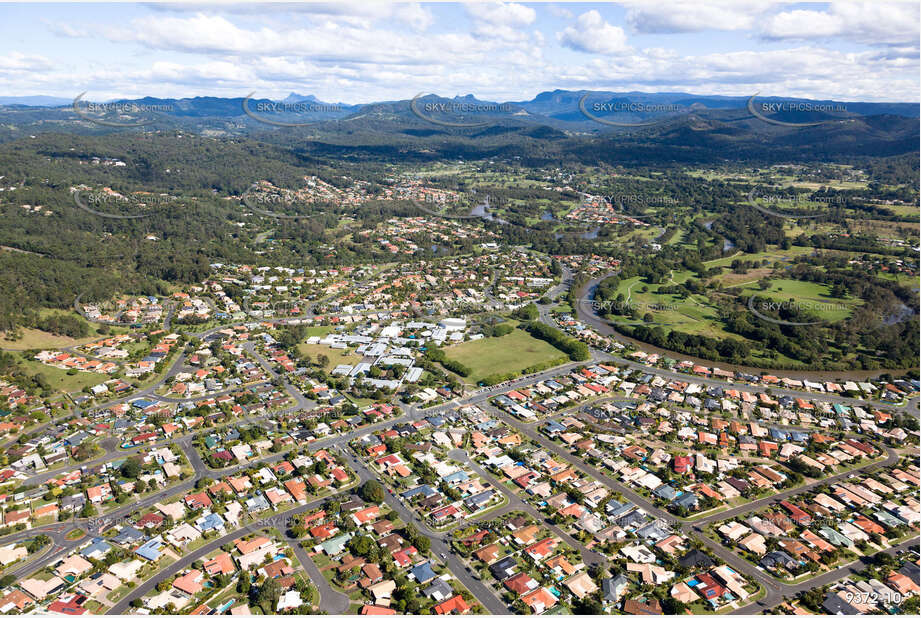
(243, 584)
(131, 469)
(421, 542)
(267, 595)
(42, 540)
(361, 545)
(372, 491)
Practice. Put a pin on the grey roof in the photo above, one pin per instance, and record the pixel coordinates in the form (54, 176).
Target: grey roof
(611, 585)
(833, 604)
(438, 587)
(127, 535)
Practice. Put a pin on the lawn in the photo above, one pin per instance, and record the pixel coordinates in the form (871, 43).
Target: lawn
(59, 379)
(319, 331)
(33, 339)
(693, 315)
(336, 357)
(512, 352)
(815, 295)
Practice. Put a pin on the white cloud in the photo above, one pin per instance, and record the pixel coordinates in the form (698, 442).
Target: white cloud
(671, 17)
(329, 52)
(414, 15)
(558, 11)
(501, 21)
(592, 34)
(16, 61)
(502, 14)
(867, 23)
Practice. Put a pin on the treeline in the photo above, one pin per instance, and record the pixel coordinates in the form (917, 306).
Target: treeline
(434, 353)
(577, 350)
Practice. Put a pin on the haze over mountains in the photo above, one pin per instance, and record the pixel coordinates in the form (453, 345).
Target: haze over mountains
(674, 126)
(558, 104)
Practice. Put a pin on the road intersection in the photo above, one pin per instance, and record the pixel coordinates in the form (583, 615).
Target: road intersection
(335, 602)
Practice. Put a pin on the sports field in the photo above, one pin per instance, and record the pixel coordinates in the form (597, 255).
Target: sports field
(512, 352)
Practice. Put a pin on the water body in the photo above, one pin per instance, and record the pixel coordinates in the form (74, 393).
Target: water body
(589, 235)
(901, 314)
(727, 244)
(547, 216)
(482, 211)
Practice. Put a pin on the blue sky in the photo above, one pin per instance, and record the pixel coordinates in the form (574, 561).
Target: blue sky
(367, 51)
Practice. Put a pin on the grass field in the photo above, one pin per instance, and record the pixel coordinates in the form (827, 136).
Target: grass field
(34, 339)
(513, 352)
(689, 315)
(319, 331)
(336, 357)
(59, 378)
(783, 290)
(773, 255)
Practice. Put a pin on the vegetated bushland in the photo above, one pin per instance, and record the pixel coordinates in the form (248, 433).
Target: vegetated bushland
(881, 332)
(74, 251)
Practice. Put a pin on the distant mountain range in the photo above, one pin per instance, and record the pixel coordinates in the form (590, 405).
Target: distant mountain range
(590, 125)
(557, 104)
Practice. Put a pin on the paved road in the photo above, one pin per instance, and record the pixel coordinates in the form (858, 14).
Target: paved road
(440, 541)
(774, 589)
(777, 594)
(589, 557)
(441, 544)
(891, 459)
(331, 601)
(185, 561)
(529, 431)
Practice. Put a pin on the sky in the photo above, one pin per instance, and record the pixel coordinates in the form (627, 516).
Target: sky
(375, 51)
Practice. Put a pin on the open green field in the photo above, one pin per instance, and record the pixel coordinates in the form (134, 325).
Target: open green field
(512, 352)
(59, 379)
(689, 315)
(32, 339)
(319, 331)
(809, 293)
(774, 255)
(905, 210)
(336, 357)
(698, 314)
